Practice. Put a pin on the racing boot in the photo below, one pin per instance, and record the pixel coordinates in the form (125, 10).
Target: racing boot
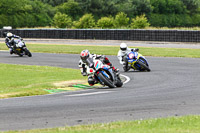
(91, 81)
(126, 67)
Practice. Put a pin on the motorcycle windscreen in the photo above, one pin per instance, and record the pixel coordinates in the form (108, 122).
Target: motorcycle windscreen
(89, 62)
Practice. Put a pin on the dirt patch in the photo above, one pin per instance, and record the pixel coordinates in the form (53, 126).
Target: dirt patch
(69, 83)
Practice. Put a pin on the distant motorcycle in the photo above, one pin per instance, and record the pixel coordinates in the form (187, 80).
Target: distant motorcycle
(135, 61)
(19, 48)
(103, 74)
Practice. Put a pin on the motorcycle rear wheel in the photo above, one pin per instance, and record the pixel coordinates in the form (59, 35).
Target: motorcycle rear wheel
(106, 81)
(144, 65)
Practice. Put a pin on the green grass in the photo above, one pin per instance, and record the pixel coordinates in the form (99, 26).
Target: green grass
(174, 28)
(186, 124)
(110, 50)
(21, 80)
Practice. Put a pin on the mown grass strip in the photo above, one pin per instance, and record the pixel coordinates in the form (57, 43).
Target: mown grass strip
(186, 124)
(110, 50)
(21, 80)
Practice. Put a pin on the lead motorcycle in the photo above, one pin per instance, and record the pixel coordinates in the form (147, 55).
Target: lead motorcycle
(135, 61)
(19, 48)
(103, 74)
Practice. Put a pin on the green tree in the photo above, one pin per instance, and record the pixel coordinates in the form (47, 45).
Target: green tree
(105, 22)
(168, 6)
(121, 20)
(53, 2)
(25, 13)
(134, 7)
(99, 8)
(61, 20)
(140, 22)
(9, 9)
(70, 8)
(192, 6)
(86, 21)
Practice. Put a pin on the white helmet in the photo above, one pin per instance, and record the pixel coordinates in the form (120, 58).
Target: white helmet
(9, 34)
(123, 46)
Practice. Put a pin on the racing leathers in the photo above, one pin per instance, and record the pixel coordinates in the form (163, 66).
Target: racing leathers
(83, 66)
(122, 53)
(10, 42)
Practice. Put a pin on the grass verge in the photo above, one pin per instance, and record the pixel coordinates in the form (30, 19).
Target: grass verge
(21, 80)
(110, 50)
(185, 124)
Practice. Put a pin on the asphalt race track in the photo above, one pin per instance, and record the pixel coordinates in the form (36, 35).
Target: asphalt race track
(172, 88)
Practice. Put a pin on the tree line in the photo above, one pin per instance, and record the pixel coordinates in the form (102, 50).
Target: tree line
(99, 13)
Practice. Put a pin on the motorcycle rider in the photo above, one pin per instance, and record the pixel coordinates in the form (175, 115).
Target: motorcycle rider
(10, 40)
(85, 54)
(124, 50)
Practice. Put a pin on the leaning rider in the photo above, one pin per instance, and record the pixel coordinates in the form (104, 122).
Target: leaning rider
(85, 54)
(10, 40)
(122, 52)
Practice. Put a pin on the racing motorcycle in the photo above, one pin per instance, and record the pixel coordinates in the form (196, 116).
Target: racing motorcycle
(19, 48)
(135, 61)
(103, 74)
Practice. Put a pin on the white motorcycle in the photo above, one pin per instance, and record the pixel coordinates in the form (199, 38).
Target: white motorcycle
(20, 48)
(103, 74)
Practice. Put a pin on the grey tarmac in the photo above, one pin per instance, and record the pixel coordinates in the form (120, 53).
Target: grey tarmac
(170, 89)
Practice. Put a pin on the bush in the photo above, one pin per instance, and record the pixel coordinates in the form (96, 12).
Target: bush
(62, 20)
(140, 22)
(174, 20)
(105, 22)
(86, 21)
(121, 20)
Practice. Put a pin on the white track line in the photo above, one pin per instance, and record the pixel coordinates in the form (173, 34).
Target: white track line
(90, 93)
(127, 78)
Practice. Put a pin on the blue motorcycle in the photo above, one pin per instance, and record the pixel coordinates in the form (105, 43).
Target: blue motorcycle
(135, 61)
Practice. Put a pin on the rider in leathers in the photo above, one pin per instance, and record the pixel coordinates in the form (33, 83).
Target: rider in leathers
(83, 64)
(10, 40)
(124, 50)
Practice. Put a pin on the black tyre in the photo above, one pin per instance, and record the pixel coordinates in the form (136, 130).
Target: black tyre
(144, 65)
(27, 52)
(119, 82)
(106, 81)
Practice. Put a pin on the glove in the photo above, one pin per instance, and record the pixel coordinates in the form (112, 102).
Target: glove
(137, 49)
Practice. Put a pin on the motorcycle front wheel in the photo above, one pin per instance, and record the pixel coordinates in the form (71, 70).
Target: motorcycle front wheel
(27, 52)
(106, 81)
